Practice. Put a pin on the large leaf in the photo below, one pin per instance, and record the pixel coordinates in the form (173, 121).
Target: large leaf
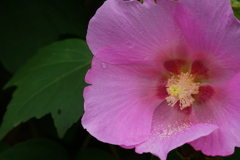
(27, 25)
(51, 82)
(37, 149)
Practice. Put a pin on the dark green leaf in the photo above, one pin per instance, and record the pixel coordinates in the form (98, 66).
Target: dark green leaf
(27, 25)
(94, 154)
(38, 149)
(51, 82)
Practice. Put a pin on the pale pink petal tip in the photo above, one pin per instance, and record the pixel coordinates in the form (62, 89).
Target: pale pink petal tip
(161, 144)
(128, 32)
(172, 128)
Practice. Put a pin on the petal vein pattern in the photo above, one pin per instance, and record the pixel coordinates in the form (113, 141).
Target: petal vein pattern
(120, 103)
(164, 74)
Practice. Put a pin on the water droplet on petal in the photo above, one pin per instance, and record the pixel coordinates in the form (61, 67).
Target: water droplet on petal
(104, 65)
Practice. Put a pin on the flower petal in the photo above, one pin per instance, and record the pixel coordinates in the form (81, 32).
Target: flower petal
(119, 104)
(172, 128)
(210, 28)
(129, 32)
(223, 110)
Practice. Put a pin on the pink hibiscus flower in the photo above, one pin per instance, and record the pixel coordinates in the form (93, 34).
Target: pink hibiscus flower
(164, 74)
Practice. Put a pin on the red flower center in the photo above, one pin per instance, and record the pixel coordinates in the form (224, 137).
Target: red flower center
(187, 82)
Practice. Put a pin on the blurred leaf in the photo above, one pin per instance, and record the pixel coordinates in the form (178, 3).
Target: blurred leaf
(154, 158)
(94, 154)
(234, 156)
(51, 82)
(187, 152)
(235, 3)
(27, 25)
(44, 125)
(3, 146)
(171, 156)
(212, 158)
(236, 8)
(37, 149)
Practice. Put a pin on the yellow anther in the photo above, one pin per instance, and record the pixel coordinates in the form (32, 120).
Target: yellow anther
(181, 88)
(174, 90)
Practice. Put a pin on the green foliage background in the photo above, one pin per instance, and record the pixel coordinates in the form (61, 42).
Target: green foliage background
(44, 58)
